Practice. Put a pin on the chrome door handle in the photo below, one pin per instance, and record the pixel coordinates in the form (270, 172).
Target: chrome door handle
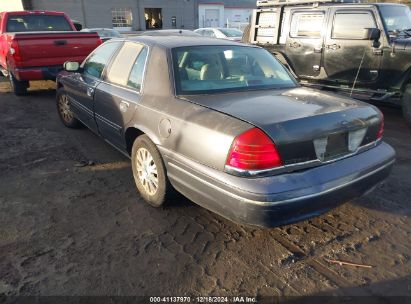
(90, 92)
(333, 46)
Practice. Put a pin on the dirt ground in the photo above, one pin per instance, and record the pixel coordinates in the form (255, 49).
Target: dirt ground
(71, 230)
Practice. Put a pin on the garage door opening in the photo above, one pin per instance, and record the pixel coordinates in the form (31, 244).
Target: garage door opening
(154, 18)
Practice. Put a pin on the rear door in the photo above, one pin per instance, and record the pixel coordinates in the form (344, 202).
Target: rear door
(81, 86)
(117, 96)
(346, 53)
(304, 43)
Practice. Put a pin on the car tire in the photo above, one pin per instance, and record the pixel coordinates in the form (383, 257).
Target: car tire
(246, 34)
(406, 104)
(19, 88)
(65, 113)
(149, 172)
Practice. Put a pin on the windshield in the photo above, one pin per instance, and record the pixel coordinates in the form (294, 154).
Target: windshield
(213, 69)
(231, 32)
(37, 23)
(396, 17)
(108, 33)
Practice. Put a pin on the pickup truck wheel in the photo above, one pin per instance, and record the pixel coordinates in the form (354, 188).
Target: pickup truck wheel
(149, 172)
(19, 88)
(64, 110)
(406, 104)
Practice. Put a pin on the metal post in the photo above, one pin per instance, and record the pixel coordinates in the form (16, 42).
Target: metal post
(83, 11)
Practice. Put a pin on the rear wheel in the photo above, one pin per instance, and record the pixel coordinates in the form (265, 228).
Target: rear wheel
(18, 87)
(406, 104)
(149, 172)
(64, 110)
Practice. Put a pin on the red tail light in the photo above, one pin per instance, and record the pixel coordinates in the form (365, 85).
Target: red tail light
(381, 130)
(15, 50)
(253, 150)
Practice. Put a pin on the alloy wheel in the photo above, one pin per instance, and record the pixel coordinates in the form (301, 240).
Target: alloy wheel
(147, 171)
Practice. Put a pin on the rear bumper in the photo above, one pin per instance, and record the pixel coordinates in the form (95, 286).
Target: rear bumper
(37, 73)
(281, 199)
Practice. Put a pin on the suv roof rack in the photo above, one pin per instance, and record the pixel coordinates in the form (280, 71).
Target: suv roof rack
(266, 3)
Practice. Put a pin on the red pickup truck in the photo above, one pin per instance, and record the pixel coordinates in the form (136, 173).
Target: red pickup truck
(35, 44)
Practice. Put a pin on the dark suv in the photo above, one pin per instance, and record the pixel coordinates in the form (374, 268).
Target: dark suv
(360, 49)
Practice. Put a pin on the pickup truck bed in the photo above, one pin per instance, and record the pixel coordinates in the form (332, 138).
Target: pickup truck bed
(42, 54)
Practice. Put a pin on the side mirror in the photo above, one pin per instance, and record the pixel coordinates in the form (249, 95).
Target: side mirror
(77, 25)
(371, 34)
(71, 66)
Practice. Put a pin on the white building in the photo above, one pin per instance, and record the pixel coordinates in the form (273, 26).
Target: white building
(228, 13)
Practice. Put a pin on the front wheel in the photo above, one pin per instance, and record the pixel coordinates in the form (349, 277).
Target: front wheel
(64, 110)
(149, 172)
(18, 87)
(406, 104)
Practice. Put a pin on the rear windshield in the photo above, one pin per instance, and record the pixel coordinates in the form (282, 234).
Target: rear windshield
(231, 32)
(108, 33)
(37, 23)
(213, 69)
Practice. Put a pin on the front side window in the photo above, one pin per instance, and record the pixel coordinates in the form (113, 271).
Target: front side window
(37, 23)
(213, 69)
(122, 17)
(97, 61)
(135, 80)
(307, 25)
(351, 25)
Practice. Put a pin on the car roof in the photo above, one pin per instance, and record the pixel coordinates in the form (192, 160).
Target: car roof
(97, 28)
(174, 41)
(176, 32)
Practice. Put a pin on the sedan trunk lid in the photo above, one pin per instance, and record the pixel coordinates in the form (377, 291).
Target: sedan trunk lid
(305, 124)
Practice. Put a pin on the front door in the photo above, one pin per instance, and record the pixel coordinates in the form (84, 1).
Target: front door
(304, 43)
(348, 57)
(81, 88)
(117, 96)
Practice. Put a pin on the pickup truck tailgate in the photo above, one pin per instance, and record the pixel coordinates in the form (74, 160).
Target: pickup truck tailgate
(54, 48)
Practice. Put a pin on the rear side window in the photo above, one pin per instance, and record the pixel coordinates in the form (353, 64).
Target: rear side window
(123, 62)
(37, 23)
(97, 61)
(307, 25)
(137, 72)
(351, 25)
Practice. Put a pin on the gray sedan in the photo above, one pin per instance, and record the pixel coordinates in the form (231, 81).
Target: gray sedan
(226, 125)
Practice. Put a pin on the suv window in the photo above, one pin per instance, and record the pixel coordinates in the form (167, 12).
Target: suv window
(123, 62)
(351, 25)
(137, 72)
(307, 25)
(97, 61)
